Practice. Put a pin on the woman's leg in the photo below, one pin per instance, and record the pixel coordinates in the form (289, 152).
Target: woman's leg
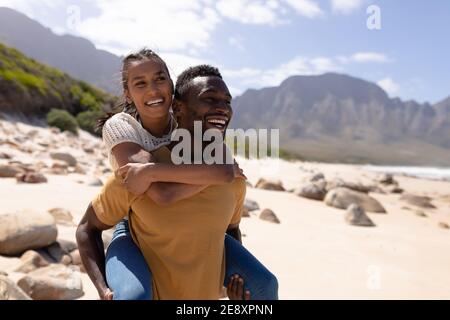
(261, 283)
(127, 272)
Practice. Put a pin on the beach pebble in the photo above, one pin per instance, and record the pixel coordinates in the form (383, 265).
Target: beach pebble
(356, 216)
(269, 215)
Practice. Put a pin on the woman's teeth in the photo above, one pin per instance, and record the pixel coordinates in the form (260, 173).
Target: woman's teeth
(150, 103)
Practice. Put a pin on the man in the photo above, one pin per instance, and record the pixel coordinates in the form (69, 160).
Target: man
(183, 243)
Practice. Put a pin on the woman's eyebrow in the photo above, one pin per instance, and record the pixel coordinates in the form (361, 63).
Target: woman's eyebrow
(137, 78)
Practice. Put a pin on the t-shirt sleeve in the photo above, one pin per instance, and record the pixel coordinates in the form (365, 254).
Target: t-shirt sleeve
(241, 190)
(120, 128)
(112, 203)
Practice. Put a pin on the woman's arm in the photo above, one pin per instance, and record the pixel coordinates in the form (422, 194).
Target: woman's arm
(163, 193)
(92, 251)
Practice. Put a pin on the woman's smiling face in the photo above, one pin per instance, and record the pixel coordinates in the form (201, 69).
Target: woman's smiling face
(150, 88)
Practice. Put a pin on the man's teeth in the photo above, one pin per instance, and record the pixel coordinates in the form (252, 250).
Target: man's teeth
(217, 121)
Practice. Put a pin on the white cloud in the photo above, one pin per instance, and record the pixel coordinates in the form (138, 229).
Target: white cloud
(389, 85)
(307, 8)
(237, 42)
(159, 24)
(346, 6)
(250, 11)
(364, 57)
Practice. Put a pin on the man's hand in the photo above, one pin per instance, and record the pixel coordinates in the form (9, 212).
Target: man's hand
(107, 294)
(235, 289)
(135, 177)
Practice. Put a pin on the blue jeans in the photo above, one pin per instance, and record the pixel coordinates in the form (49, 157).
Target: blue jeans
(129, 277)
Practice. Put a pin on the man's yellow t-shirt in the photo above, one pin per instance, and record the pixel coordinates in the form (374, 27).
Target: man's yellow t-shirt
(183, 243)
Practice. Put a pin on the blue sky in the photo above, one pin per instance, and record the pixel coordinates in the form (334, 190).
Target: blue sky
(258, 43)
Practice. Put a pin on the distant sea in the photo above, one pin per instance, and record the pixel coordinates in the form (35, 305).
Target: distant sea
(433, 173)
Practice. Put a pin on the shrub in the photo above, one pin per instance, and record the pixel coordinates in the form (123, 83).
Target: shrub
(62, 120)
(87, 120)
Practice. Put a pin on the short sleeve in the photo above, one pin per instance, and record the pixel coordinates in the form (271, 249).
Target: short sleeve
(121, 127)
(112, 203)
(240, 189)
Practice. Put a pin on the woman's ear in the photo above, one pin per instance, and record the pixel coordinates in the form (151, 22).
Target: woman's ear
(128, 96)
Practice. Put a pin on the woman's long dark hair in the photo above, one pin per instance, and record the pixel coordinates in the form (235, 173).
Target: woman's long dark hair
(124, 106)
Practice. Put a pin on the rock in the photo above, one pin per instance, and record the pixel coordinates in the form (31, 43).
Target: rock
(245, 213)
(394, 189)
(269, 215)
(67, 246)
(64, 156)
(95, 182)
(4, 155)
(443, 225)
(31, 260)
(3, 273)
(317, 177)
(275, 185)
(76, 260)
(55, 252)
(10, 291)
(356, 216)
(419, 201)
(55, 282)
(58, 171)
(58, 164)
(387, 178)
(342, 197)
(406, 208)
(420, 213)
(356, 186)
(26, 230)
(62, 216)
(80, 170)
(311, 191)
(248, 184)
(10, 171)
(106, 170)
(31, 177)
(251, 205)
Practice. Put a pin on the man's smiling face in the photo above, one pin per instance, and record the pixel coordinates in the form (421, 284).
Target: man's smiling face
(207, 100)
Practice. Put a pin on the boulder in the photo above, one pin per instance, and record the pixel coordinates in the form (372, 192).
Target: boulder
(443, 225)
(62, 217)
(356, 216)
(26, 230)
(31, 177)
(10, 170)
(251, 205)
(356, 186)
(31, 260)
(274, 185)
(95, 182)
(311, 191)
(317, 177)
(269, 215)
(10, 291)
(387, 179)
(64, 156)
(419, 201)
(342, 197)
(55, 282)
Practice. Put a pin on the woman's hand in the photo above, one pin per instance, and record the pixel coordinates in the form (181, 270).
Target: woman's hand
(107, 294)
(238, 172)
(235, 289)
(135, 177)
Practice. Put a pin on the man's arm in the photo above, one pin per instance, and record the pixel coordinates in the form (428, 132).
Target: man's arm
(92, 251)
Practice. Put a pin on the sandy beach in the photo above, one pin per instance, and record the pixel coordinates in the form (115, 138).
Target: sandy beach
(313, 251)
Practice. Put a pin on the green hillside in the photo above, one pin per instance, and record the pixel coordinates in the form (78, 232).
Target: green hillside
(32, 89)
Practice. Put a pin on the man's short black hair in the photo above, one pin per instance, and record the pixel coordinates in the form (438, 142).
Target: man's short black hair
(190, 74)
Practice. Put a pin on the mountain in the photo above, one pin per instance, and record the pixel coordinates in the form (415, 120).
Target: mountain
(73, 55)
(31, 89)
(339, 118)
